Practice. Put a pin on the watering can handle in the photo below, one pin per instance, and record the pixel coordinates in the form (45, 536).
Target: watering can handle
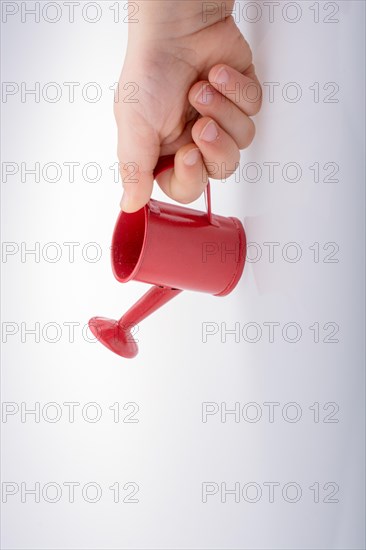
(165, 163)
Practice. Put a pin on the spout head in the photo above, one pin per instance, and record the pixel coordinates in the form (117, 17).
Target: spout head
(114, 336)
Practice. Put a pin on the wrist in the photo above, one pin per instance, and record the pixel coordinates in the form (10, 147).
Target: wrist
(173, 19)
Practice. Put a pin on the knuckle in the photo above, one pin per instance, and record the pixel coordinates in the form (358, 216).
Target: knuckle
(253, 98)
(186, 195)
(247, 136)
(186, 199)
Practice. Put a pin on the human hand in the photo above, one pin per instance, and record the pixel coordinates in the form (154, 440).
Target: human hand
(197, 90)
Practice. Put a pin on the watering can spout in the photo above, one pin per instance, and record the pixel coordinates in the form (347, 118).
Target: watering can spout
(118, 335)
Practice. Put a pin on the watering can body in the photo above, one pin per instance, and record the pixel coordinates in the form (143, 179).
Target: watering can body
(174, 248)
(177, 247)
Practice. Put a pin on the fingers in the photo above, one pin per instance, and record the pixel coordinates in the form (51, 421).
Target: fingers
(138, 152)
(241, 89)
(220, 152)
(213, 154)
(187, 181)
(225, 102)
(137, 186)
(209, 102)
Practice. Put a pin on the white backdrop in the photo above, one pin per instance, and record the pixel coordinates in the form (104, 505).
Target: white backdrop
(284, 470)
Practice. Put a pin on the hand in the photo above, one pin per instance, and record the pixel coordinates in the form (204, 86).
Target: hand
(196, 91)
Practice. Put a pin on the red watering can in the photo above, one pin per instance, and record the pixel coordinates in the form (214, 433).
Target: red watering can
(174, 248)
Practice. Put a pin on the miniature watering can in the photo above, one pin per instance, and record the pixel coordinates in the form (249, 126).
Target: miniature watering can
(174, 248)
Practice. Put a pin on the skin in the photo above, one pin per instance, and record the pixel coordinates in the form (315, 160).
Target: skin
(196, 93)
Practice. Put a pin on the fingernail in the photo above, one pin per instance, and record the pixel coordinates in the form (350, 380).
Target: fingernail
(222, 76)
(205, 95)
(210, 132)
(191, 157)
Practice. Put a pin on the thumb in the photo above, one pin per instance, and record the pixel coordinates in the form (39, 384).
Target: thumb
(138, 153)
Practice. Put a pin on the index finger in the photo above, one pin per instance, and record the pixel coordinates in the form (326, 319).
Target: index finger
(243, 90)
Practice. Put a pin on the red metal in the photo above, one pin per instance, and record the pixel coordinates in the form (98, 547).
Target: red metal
(117, 335)
(175, 248)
